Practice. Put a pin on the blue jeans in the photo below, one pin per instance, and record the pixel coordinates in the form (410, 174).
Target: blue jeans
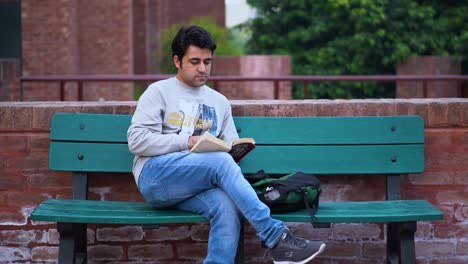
(210, 184)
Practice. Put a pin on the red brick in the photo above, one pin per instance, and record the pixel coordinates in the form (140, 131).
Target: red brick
(456, 196)
(420, 108)
(167, 233)
(45, 253)
(462, 248)
(15, 253)
(48, 181)
(13, 145)
(309, 232)
(424, 231)
(26, 199)
(193, 252)
(342, 249)
(438, 114)
(6, 119)
(457, 112)
(39, 143)
(200, 232)
(11, 182)
(13, 218)
(450, 260)
(461, 212)
(451, 230)
(126, 233)
(29, 163)
(432, 248)
(433, 178)
(356, 232)
(448, 211)
(22, 237)
(150, 252)
(105, 252)
(22, 118)
(53, 236)
(374, 249)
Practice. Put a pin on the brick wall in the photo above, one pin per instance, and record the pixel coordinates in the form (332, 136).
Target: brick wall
(26, 181)
(77, 37)
(99, 37)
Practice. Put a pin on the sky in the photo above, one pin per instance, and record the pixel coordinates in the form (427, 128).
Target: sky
(237, 11)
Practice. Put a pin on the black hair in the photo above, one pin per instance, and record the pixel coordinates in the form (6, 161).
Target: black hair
(191, 35)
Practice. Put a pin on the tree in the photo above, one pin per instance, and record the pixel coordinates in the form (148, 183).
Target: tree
(357, 37)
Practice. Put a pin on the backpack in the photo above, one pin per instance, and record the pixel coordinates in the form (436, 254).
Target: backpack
(289, 193)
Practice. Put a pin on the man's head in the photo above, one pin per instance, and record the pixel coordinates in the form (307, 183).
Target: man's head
(192, 52)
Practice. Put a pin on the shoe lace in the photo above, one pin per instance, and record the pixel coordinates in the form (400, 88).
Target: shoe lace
(294, 240)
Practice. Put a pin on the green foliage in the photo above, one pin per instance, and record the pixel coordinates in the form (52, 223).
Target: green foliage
(357, 37)
(223, 38)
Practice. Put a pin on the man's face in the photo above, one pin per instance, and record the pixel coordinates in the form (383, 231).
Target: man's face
(195, 66)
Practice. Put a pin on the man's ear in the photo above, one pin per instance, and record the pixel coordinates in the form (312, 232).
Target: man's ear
(177, 62)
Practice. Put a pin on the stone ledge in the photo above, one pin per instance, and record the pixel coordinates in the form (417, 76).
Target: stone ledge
(436, 112)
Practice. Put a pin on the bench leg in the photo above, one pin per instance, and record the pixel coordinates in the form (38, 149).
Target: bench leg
(400, 243)
(81, 243)
(392, 244)
(240, 246)
(67, 243)
(73, 243)
(407, 247)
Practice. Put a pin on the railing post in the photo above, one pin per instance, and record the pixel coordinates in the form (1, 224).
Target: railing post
(425, 89)
(276, 89)
(80, 91)
(21, 90)
(306, 89)
(466, 89)
(62, 90)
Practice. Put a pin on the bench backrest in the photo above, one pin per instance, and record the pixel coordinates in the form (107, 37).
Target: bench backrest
(322, 145)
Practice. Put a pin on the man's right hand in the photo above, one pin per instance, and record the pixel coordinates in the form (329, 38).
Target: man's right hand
(192, 140)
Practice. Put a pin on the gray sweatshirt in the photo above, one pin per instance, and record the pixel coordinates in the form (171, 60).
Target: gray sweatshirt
(168, 112)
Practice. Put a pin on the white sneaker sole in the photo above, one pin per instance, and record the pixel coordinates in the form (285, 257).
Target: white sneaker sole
(322, 247)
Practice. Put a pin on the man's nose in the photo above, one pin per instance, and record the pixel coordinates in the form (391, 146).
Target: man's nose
(202, 67)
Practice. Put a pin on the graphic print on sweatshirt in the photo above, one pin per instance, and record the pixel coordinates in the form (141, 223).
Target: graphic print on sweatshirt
(194, 118)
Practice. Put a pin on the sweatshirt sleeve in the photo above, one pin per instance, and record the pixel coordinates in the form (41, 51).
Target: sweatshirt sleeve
(145, 134)
(228, 130)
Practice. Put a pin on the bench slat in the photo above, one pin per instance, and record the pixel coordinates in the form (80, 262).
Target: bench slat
(112, 212)
(90, 127)
(332, 130)
(107, 157)
(300, 130)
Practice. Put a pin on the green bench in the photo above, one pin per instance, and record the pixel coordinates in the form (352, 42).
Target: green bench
(389, 145)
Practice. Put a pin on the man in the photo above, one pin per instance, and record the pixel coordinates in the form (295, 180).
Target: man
(169, 119)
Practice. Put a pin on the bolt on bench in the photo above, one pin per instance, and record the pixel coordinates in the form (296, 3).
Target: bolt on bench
(370, 145)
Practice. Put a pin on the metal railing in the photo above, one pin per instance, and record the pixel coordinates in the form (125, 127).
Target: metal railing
(304, 79)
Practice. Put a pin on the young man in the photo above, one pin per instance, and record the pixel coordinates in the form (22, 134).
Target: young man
(169, 119)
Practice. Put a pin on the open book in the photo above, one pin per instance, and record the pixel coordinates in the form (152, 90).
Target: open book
(238, 149)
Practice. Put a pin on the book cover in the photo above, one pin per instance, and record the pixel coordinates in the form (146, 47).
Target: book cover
(238, 149)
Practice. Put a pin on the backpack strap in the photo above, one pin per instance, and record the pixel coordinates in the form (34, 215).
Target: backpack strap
(311, 210)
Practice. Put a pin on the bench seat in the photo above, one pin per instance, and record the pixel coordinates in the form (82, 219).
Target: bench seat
(112, 212)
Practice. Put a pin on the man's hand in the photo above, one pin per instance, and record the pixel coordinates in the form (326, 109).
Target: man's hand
(192, 140)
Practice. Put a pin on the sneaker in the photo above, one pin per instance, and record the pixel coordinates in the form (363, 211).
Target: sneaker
(292, 249)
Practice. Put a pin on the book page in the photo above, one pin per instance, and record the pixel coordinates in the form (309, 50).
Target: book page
(208, 142)
(243, 140)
